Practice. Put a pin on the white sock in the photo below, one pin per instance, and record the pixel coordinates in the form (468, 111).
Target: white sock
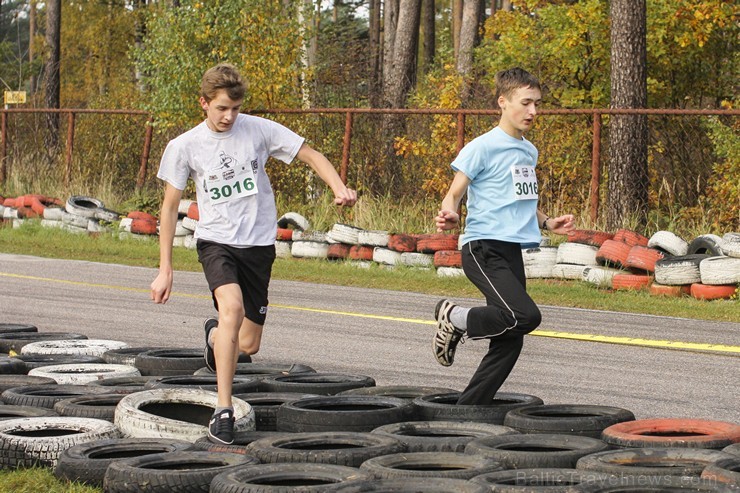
(210, 337)
(459, 317)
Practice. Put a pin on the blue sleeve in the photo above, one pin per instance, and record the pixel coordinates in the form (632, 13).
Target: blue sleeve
(470, 160)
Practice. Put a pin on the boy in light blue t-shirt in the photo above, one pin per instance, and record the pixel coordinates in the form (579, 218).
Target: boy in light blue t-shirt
(497, 170)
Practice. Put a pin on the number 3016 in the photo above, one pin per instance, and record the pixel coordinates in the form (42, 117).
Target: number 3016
(227, 190)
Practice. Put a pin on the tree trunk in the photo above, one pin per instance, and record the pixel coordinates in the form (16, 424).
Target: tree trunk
(375, 62)
(51, 72)
(628, 176)
(429, 29)
(31, 52)
(456, 11)
(468, 40)
(390, 21)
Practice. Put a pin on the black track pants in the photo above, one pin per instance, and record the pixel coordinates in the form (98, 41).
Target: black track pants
(497, 270)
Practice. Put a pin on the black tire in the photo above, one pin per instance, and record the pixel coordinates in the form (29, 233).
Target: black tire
(548, 480)
(83, 206)
(724, 471)
(583, 420)
(127, 356)
(14, 341)
(339, 448)
(637, 462)
(641, 484)
(450, 465)
(6, 328)
(12, 366)
(342, 413)
(444, 407)
(535, 451)
(13, 412)
(182, 471)
(241, 440)
(11, 381)
(707, 245)
(674, 271)
(440, 436)
(240, 385)
(46, 395)
(166, 362)
(410, 485)
(101, 406)
(87, 462)
(285, 478)
(266, 404)
(124, 385)
(33, 361)
(265, 369)
(733, 449)
(315, 383)
(399, 391)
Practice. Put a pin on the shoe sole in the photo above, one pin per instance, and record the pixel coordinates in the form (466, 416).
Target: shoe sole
(215, 440)
(205, 350)
(434, 345)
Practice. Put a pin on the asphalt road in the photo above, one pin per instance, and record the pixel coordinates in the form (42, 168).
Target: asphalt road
(387, 335)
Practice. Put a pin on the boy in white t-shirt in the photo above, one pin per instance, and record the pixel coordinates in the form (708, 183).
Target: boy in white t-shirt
(497, 170)
(225, 156)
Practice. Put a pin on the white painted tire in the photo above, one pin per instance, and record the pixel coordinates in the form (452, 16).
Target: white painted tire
(344, 233)
(600, 277)
(677, 271)
(540, 256)
(69, 227)
(184, 206)
(125, 224)
(190, 242)
(669, 242)
(450, 272)
(83, 206)
(24, 445)
(48, 223)
(53, 213)
(720, 270)
(135, 423)
(178, 241)
(189, 223)
(93, 226)
(538, 271)
(75, 220)
(318, 236)
(373, 238)
(386, 256)
(730, 244)
(293, 219)
(283, 249)
(309, 249)
(91, 347)
(414, 259)
(576, 253)
(84, 373)
(568, 271)
(10, 213)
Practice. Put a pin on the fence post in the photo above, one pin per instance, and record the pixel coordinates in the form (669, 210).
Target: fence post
(70, 147)
(595, 167)
(346, 146)
(460, 131)
(3, 148)
(144, 162)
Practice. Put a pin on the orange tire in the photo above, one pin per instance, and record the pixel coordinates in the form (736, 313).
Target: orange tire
(144, 226)
(142, 215)
(338, 251)
(712, 292)
(38, 207)
(670, 291)
(672, 432)
(630, 281)
(9, 203)
(448, 258)
(284, 234)
(402, 243)
(26, 213)
(589, 237)
(361, 252)
(193, 212)
(613, 253)
(436, 242)
(643, 258)
(632, 238)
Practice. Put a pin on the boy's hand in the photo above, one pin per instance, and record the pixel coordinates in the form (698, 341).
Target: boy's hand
(446, 220)
(161, 287)
(561, 225)
(346, 197)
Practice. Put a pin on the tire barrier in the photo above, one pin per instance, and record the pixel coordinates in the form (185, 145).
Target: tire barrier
(630, 282)
(101, 406)
(361, 252)
(709, 292)
(315, 383)
(46, 395)
(643, 258)
(720, 270)
(447, 465)
(399, 391)
(344, 233)
(87, 347)
(266, 404)
(576, 253)
(675, 271)
(613, 253)
(650, 462)
(724, 471)
(411, 485)
(670, 291)
(668, 242)
(672, 432)
(573, 419)
(630, 237)
(538, 480)
(640, 484)
(730, 244)
(402, 243)
(589, 237)
(444, 407)
(83, 373)
(373, 238)
(440, 436)
(448, 258)
(308, 478)
(241, 440)
(435, 242)
(309, 249)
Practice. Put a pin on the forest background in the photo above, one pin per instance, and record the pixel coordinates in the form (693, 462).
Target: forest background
(425, 54)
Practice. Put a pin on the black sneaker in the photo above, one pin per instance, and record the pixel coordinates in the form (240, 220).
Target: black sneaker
(447, 336)
(208, 354)
(221, 427)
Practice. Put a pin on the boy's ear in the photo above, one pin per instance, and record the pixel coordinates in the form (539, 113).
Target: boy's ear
(501, 102)
(203, 103)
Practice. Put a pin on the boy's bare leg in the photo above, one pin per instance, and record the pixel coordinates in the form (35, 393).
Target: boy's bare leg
(250, 337)
(225, 338)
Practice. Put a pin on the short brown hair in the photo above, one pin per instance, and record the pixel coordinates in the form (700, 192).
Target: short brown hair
(508, 81)
(222, 76)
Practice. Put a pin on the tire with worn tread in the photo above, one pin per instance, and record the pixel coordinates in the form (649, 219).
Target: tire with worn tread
(266, 404)
(708, 244)
(315, 383)
(285, 478)
(411, 485)
(720, 270)
(541, 480)
(569, 419)
(440, 436)
(98, 406)
(672, 432)
(450, 465)
(674, 271)
(444, 407)
(46, 395)
(173, 361)
(83, 373)
(636, 462)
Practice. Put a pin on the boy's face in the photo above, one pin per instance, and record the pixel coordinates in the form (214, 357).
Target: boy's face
(519, 110)
(221, 111)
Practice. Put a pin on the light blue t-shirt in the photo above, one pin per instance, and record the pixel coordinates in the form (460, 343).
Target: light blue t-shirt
(503, 193)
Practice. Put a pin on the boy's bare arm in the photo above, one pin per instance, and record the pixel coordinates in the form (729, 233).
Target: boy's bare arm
(318, 162)
(162, 284)
(448, 218)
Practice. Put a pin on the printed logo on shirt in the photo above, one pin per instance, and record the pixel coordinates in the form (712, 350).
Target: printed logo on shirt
(255, 166)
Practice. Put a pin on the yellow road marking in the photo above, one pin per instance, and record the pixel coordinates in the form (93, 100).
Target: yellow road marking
(625, 341)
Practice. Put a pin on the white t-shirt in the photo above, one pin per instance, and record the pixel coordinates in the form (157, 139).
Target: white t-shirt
(235, 200)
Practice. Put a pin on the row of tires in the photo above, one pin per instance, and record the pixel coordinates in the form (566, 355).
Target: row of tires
(334, 432)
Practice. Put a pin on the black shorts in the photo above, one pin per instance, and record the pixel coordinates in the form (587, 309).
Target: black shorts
(250, 268)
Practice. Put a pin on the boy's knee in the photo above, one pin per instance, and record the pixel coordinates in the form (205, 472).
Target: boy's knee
(250, 348)
(532, 318)
(234, 310)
